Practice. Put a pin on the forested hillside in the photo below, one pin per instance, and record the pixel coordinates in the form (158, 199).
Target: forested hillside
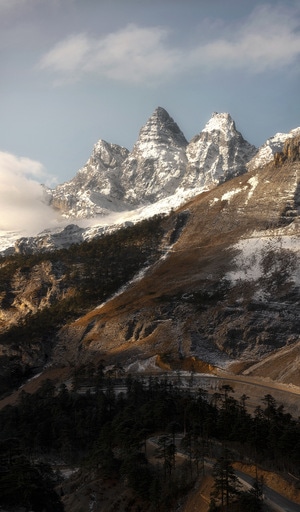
(103, 434)
(41, 292)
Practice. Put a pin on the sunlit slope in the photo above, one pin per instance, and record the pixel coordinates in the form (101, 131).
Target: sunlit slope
(225, 289)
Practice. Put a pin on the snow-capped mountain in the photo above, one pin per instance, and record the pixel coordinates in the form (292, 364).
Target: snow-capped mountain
(162, 172)
(219, 282)
(160, 164)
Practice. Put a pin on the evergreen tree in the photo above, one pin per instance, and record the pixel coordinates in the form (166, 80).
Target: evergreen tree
(226, 485)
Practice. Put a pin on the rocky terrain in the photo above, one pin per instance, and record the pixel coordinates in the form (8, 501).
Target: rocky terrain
(222, 289)
(210, 285)
(227, 288)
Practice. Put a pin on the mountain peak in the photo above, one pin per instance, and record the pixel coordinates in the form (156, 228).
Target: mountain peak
(221, 122)
(161, 113)
(162, 127)
(218, 153)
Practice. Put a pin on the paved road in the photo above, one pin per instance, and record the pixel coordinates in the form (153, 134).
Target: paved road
(272, 498)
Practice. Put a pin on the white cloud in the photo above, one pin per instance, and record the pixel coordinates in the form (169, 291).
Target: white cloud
(268, 39)
(21, 196)
(132, 54)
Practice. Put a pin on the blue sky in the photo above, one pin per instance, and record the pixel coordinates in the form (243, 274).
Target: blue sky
(75, 71)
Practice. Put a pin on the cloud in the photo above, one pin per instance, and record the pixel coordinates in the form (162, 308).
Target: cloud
(268, 39)
(133, 55)
(22, 206)
(8, 6)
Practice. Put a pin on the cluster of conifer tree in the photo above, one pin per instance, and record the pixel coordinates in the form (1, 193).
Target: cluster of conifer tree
(106, 432)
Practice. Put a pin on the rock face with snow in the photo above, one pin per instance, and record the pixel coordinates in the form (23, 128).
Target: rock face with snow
(156, 166)
(95, 187)
(274, 145)
(218, 153)
(161, 163)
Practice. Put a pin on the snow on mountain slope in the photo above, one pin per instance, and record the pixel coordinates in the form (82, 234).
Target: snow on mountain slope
(273, 145)
(67, 234)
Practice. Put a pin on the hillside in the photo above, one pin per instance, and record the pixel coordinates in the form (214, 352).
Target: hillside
(213, 288)
(226, 290)
(215, 282)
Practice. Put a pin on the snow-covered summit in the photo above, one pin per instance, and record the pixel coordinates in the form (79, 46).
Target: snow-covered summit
(157, 164)
(160, 163)
(160, 128)
(218, 153)
(221, 123)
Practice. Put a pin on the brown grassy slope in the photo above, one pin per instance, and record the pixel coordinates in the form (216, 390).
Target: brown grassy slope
(150, 317)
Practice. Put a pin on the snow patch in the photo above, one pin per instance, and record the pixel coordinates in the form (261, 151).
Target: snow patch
(143, 365)
(228, 195)
(253, 182)
(221, 122)
(250, 263)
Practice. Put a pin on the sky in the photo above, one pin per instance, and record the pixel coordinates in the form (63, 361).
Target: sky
(76, 71)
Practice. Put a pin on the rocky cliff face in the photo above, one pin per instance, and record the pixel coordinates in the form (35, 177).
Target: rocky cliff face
(95, 186)
(156, 166)
(218, 153)
(31, 289)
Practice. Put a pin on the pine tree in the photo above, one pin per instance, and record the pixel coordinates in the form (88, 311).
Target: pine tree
(226, 485)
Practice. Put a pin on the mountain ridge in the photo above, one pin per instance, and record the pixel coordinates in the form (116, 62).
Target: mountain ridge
(161, 162)
(162, 172)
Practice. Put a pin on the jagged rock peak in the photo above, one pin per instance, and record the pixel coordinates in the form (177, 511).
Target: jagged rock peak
(106, 152)
(156, 166)
(218, 153)
(221, 123)
(161, 127)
